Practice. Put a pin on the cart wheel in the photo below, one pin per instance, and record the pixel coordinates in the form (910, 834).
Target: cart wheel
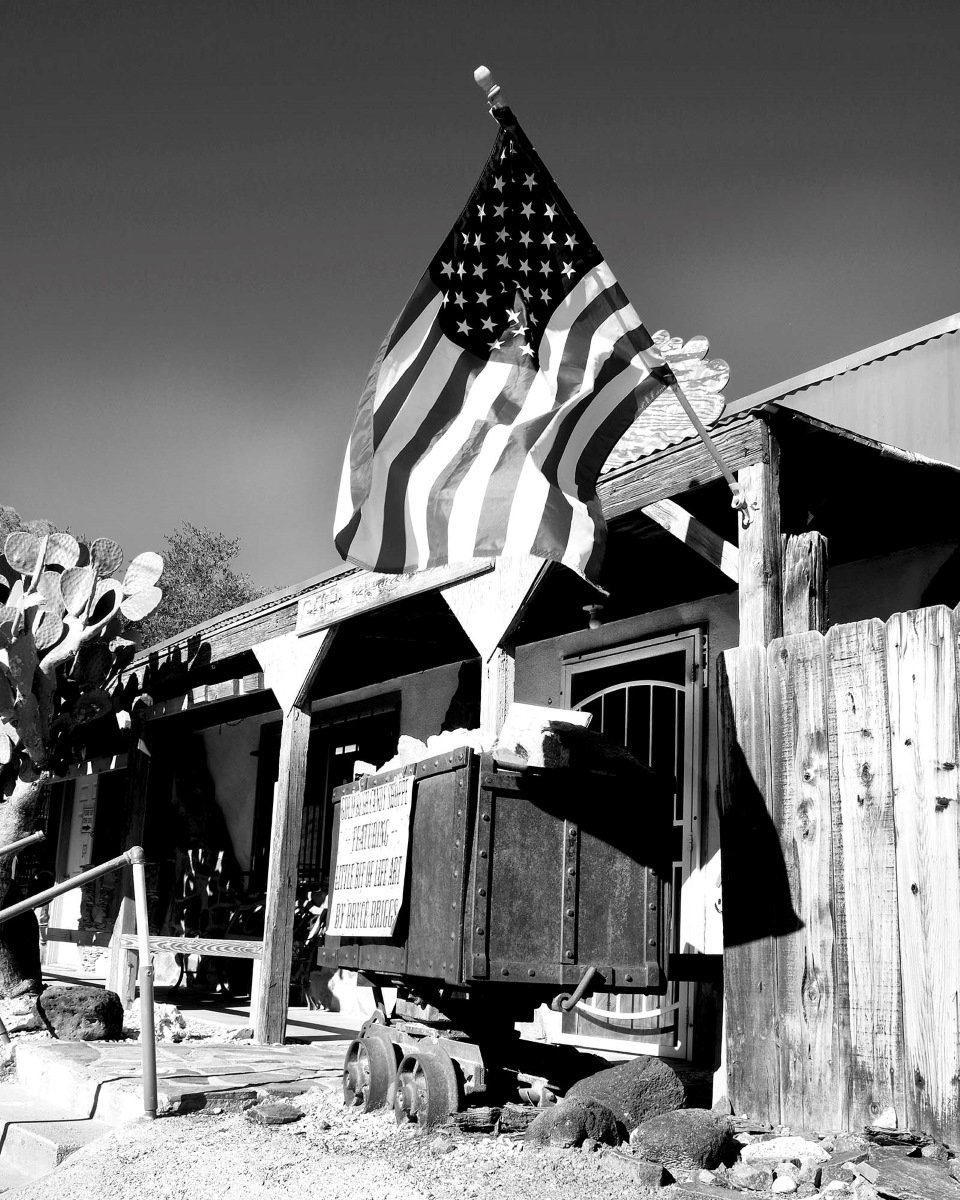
(427, 1088)
(369, 1073)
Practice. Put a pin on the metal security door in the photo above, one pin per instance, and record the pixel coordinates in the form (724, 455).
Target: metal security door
(649, 698)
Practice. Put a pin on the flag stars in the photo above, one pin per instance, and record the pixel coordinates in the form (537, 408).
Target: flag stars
(513, 316)
(501, 235)
(463, 327)
(550, 211)
(481, 211)
(488, 324)
(527, 210)
(545, 268)
(461, 270)
(527, 350)
(529, 182)
(483, 297)
(478, 242)
(458, 300)
(499, 211)
(498, 181)
(527, 295)
(496, 344)
(566, 270)
(570, 240)
(502, 260)
(548, 240)
(545, 296)
(447, 270)
(479, 270)
(525, 238)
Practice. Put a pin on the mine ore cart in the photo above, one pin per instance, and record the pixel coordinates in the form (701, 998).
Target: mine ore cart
(522, 887)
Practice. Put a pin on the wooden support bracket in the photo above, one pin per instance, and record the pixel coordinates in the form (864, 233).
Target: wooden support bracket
(693, 533)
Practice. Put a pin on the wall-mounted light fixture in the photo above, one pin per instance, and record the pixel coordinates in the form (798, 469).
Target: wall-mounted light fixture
(593, 612)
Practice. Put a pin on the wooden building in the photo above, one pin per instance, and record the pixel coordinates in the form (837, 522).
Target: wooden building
(711, 658)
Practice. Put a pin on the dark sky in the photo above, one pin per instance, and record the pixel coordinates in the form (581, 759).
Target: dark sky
(211, 211)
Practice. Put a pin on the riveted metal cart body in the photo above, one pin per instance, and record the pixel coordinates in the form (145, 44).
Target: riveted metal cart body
(522, 885)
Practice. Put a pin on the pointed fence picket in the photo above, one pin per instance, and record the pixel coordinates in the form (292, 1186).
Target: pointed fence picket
(840, 804)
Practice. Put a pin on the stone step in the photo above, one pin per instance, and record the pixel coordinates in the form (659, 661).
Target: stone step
(37, 1134)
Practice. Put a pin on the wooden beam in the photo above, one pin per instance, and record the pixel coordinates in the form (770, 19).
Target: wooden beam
(693, 533)
(761, 591)
(488, 607)
(361, 593)
(122, 971)
(682, 468)
(496, 688)
(206, 694)
(207, 947)
(268, 1008)
(290, 664)
(805, 595)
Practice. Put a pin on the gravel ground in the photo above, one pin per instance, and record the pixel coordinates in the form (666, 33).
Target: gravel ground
(330, 1152)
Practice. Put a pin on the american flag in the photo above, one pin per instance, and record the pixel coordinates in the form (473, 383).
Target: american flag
(503, 385)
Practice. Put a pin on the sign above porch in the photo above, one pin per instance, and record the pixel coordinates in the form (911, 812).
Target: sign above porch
(350, 595)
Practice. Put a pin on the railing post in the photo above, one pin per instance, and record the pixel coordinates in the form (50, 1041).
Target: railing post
(148, 1047)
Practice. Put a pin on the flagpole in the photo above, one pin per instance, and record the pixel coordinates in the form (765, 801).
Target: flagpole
(494, 97)
(739, 500)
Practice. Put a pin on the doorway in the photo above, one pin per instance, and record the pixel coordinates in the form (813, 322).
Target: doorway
(649, 697)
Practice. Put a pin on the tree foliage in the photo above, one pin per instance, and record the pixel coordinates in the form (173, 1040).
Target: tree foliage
(199, 582)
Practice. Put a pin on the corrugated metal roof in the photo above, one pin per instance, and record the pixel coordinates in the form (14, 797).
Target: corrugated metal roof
(841, 366)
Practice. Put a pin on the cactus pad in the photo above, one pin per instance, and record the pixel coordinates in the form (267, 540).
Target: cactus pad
(106, 599)
(106, 557)
(142, 573)
(48, 589)
(21, 550)
(48, 632)
(94, 664)
(63, 550)
(76, 587)
(8, 700)
(90, 707)
(141, 603)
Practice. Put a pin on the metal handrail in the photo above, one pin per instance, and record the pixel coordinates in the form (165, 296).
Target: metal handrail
(130, 858)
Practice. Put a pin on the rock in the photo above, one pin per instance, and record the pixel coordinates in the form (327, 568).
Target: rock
(686, 1137)
(935, 1150)
(168, 1022)
(635, 1090)
(954, 1169)
(787, 1168)
(637, 1170)
(805, 1190)
(273, 1112)
(783, 1185)
(242, 1034)
(747, 1178)
(79, 1013)
(847, 1141)
(20, 1014)
(780, 1149)
(840, 1165)
(570, 1122)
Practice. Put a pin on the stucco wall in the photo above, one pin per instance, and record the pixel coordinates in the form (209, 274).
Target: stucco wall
(880, 587)
(425, 698)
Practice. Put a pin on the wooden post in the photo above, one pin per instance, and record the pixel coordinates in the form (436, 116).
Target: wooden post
(761, 595)
(269, 1005)
(122, 971)
(804, 583)
(496, 688)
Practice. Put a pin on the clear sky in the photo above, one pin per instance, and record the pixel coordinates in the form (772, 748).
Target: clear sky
(211, 211)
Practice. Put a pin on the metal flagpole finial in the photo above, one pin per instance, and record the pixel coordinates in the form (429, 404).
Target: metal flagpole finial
(490, 88)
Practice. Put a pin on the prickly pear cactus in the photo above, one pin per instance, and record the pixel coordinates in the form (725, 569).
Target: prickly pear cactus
(62, 612)
(63, 608)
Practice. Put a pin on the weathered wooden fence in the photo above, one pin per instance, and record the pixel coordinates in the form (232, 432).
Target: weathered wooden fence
(841, 875)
